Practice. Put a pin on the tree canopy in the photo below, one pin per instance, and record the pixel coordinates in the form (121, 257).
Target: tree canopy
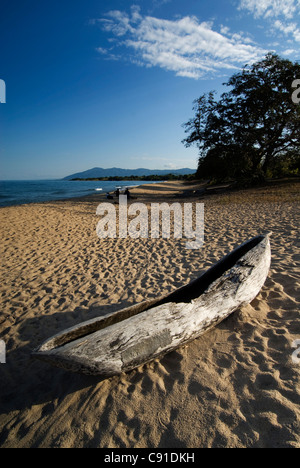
(253, 130)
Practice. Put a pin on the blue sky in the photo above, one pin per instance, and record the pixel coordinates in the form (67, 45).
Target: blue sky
(110, 83)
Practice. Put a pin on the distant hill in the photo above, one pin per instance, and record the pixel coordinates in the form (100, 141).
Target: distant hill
(98, 172)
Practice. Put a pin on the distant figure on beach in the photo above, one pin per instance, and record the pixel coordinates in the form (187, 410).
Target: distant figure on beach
(117, 193)
(127, 193)
(109, 196)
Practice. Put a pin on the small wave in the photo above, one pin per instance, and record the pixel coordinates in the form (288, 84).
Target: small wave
(98, 189)
(59, 192)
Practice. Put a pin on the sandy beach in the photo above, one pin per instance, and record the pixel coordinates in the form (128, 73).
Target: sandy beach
(235, 387)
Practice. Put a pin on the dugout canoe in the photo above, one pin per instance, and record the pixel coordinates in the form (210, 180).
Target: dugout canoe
(123, 340)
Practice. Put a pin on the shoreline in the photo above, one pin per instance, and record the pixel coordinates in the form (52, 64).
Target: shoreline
(181, 191)
(193, 191)
(235, 387)
(27, 196)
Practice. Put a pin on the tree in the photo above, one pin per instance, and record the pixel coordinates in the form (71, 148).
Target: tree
(252, 126)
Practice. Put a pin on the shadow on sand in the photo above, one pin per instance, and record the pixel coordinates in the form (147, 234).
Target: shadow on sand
(25, 381)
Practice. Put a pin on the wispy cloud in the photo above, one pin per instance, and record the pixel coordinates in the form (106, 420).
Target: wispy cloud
(285, 12)
(159, 3)
(164, 162)
(271, 8)
(288, 29)
(184, 46)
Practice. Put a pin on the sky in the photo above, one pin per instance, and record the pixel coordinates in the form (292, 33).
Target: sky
(109, 83)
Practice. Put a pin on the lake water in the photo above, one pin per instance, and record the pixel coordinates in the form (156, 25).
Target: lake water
(19, 192)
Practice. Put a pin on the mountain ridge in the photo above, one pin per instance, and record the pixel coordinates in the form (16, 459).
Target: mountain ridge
(96, 172)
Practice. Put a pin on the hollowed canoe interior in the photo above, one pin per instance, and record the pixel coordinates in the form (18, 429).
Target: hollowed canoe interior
(184, 294)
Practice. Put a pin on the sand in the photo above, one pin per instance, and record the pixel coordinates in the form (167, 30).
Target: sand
(236, 386)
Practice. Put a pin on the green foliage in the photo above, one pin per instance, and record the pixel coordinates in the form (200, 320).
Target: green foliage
(253, 131)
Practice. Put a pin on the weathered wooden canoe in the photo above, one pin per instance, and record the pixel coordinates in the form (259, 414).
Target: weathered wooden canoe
(125, 339)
